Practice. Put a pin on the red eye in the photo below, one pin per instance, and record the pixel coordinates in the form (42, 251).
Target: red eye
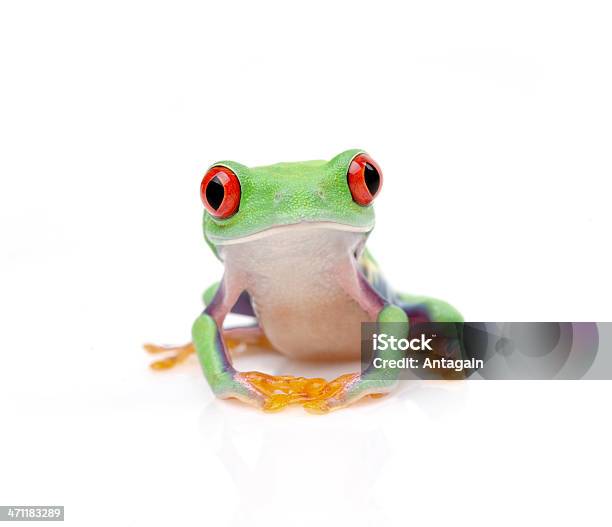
(220, 192)
(364, 179)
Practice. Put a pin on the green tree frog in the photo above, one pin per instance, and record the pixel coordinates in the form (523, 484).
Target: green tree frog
(292, 240)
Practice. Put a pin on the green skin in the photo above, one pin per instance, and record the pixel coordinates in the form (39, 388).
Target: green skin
(287, 194)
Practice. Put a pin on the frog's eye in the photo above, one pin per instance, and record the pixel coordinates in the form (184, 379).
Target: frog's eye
(364, 179)
(220, 192)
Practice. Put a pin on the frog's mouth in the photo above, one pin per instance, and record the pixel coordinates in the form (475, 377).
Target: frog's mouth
(293, 227)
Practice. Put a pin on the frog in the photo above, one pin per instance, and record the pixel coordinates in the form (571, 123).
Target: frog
(292, 239)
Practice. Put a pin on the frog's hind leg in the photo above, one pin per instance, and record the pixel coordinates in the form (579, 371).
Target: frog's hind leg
(421, 310)
(425, 309)
(235, 339)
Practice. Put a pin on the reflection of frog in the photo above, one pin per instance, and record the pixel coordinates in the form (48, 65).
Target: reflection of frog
(292, 239)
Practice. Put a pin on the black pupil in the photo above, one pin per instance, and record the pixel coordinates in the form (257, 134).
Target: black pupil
(372, 178)
(215, 193)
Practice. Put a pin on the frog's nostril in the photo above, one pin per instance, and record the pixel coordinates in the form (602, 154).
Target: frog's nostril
(320, 193)
(278, 196)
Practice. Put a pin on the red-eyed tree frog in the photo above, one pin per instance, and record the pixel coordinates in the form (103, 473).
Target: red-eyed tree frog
(292, 240)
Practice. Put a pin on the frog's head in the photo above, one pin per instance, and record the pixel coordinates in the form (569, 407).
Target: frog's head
(245, 204)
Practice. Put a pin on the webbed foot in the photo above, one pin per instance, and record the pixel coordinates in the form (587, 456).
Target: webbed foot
(177, 354)
(316, 395)
(280, 391)
(346, 390)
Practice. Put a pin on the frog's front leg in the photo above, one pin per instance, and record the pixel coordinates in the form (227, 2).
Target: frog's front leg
(222, 378)
(270, 392)
(349, 388)
(212, 352)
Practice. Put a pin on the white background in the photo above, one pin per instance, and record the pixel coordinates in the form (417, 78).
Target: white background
(491, 121)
